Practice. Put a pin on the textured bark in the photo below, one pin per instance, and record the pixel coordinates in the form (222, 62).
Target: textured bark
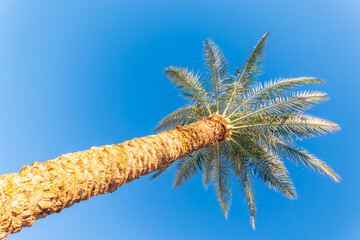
(45, 188)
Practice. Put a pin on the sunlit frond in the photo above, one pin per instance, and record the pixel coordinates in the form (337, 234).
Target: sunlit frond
(296, 125)
(247, 189)
(189, 84)
(182, 116)
(188, 167)
(208, 165)
(266, 165)
(222, 182)
(271, 89)
(270, 169)
(298, 155)
(246, 75)
(252, 68)
(217, 69)
(239, 162)
(281, 105)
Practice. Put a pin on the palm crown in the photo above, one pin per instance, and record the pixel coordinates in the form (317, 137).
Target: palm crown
(265, 120)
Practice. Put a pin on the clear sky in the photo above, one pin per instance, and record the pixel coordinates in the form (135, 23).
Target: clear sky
(82, 73)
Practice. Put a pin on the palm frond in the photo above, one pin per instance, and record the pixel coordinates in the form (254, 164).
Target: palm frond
(208, 166)
(298, 155)
(217, 68)
(267, 166)
(188, 167)
(296, 125)
(272, 89)
(271, 170)
(242, 170)
(189, 84)
(284, 105)
(222, 182)
(246, 75)
(182, 116)
(247, 189)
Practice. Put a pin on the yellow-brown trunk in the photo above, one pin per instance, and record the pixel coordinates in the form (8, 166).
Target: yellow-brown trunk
(45, 188)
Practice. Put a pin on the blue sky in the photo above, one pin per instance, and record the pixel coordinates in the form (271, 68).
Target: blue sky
(76, 74)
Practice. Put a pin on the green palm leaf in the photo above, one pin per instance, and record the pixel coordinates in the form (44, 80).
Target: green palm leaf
(182, 116)
(189, 84)
(281, 105)
(247, 74)
(298, 155)
(208, 165)
(222, 182)
(217, 68)
(272, 89)
(296, 125)
(247, 189)
(188, 167)
(272, 172)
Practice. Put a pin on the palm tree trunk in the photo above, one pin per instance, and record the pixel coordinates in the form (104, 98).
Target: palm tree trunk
(45, 188)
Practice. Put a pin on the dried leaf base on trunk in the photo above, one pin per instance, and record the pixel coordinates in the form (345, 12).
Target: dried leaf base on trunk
(46, 188)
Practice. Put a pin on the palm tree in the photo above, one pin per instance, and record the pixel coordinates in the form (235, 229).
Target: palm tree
(233, 128)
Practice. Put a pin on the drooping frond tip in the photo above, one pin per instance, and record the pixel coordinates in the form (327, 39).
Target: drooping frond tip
(252, 222)
(263, 122)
